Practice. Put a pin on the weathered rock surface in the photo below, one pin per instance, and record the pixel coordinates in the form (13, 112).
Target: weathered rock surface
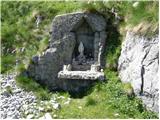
(45, 67)
(138, 64)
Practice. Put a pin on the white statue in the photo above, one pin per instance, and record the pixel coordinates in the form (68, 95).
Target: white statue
(81, 49)
(81, 57)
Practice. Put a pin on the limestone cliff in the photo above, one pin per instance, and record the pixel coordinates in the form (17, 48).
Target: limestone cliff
(138, 65)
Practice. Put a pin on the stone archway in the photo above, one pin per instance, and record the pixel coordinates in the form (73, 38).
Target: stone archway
(85, 34)
(67, 32)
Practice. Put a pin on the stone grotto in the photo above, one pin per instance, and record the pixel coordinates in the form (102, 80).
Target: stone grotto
(73, 60)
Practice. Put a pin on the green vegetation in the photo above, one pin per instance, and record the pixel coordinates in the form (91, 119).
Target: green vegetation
(110, 99)
(7, 62)
(19, 27)
(128, 89)
(90, 101)
(9, 89)
(107, 100)
(30, 85)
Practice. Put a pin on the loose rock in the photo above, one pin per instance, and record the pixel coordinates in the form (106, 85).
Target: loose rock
(47, 116)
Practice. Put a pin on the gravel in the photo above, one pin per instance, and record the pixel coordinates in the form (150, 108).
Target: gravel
(13, 98)
(16, 103)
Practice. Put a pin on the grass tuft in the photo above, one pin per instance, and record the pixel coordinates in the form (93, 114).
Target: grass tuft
(9, 89)
(31, 85)
(90, 101)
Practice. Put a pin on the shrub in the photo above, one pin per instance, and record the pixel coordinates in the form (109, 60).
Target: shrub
(127, 87)
(90, 101)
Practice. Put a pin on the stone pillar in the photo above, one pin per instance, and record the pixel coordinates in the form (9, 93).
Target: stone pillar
(95, 68)
(67, 67)
(64, 67)
(100, 53)
(96, 45)
(103, 36)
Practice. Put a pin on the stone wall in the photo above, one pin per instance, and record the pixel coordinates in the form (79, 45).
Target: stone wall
(47, 65)
(138, 65)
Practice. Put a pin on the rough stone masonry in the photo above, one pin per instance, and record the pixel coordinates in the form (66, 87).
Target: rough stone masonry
(78, 40)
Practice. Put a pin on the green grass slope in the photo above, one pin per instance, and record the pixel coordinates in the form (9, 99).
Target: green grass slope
(18, 27)
(107, 100)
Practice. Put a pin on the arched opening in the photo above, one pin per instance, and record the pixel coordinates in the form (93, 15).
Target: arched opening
(83, 52)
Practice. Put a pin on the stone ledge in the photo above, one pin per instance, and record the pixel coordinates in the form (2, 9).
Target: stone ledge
(85, 75)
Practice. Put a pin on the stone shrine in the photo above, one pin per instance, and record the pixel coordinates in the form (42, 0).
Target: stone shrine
(74, 57)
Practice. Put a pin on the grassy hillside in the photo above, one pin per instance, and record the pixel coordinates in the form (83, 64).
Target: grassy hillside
(21, 40)
(110, 99)
(107, 100)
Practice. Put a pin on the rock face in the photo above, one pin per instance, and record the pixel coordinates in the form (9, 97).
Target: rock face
(138, 65)
(68, 31)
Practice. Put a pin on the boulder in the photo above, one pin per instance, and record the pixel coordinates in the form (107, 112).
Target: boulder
(138, 65)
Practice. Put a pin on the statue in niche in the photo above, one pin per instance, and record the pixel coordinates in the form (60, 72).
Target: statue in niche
(81, 57)
(81, 49)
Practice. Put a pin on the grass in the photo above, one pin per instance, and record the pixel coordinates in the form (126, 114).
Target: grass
(90, 101)
(9, 89)
(7, 63)
(107, 100)
(31, 85)
(128, 89)
(146, 13)
(19, 28)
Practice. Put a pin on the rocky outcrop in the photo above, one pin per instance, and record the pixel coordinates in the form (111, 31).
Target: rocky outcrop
(138, 65)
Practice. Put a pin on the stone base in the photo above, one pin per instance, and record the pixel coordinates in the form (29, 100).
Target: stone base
(83, 75)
